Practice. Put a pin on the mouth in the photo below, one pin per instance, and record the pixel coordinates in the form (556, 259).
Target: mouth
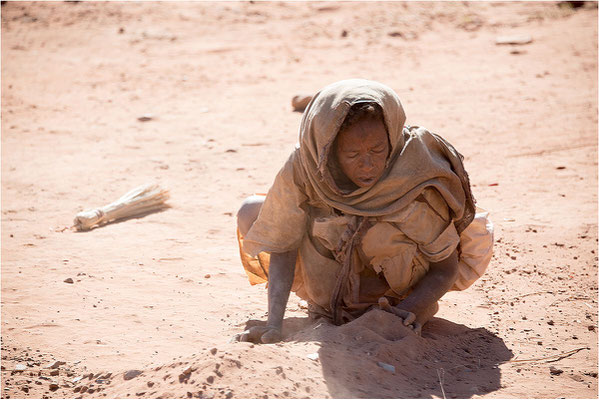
(366, 181)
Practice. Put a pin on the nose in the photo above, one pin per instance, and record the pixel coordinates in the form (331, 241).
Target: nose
(366, 163)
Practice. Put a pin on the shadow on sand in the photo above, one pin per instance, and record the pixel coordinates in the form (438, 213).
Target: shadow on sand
(357, 359)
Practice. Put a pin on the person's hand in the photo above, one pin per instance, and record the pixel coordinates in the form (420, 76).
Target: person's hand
(261, 334)
(408, 318)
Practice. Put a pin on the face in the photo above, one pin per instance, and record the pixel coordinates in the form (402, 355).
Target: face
(362, 151)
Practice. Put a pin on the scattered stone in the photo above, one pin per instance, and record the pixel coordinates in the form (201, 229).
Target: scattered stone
(344, 33)
(53, 387)
(106, 376)
(395, 34)
(207, 276)
(213, 350)
(25, 389)
(77, 389)
(210, 379)
(555, 371)
(150, 384)
(77, 379)
(145, 118)
(313, 356)
(513, 40)
(69, 280)
(54, 372)
(550, 322)
(20, 367)
(57, 364)
(300, 102)
(591, 328)
(183, 378)
(386, 367)
(131, 374)
(83, 389)
(229, 395)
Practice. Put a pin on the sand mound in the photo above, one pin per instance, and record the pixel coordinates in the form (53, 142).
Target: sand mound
(373, 356)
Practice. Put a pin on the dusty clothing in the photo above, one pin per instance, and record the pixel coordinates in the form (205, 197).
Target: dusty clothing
(358, 245)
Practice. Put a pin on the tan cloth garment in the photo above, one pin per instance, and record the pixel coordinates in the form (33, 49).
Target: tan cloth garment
(415, 212)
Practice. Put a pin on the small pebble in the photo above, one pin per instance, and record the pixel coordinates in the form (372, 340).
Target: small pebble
(57, 364)
(555, 371)
(68, 280)
(145, 118)
(131, 374)
(386, 367)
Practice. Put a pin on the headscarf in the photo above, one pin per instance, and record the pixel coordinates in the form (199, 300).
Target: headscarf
(417, 159)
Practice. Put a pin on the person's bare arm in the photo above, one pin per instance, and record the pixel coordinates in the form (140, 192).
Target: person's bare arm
(421, 304)
(280, 279)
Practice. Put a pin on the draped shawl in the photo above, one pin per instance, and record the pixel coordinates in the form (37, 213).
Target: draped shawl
(418, 159)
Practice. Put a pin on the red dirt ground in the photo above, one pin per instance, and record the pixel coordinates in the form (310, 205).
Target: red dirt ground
(165, 293)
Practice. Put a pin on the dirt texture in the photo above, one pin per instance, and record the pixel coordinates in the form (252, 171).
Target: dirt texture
(98, 98)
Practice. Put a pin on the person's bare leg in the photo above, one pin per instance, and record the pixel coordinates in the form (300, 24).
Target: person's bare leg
(248, 212)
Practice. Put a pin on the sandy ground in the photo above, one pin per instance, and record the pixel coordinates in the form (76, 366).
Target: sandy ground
(164, 294)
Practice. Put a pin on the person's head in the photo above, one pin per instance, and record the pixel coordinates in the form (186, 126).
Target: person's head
(361, 147)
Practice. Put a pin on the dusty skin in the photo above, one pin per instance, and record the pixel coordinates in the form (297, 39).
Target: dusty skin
(98, 98)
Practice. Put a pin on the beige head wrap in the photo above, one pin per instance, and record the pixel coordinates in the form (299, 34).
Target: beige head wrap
(417, 159)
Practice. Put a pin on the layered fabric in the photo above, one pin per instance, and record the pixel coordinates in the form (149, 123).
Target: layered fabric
(357, 245)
